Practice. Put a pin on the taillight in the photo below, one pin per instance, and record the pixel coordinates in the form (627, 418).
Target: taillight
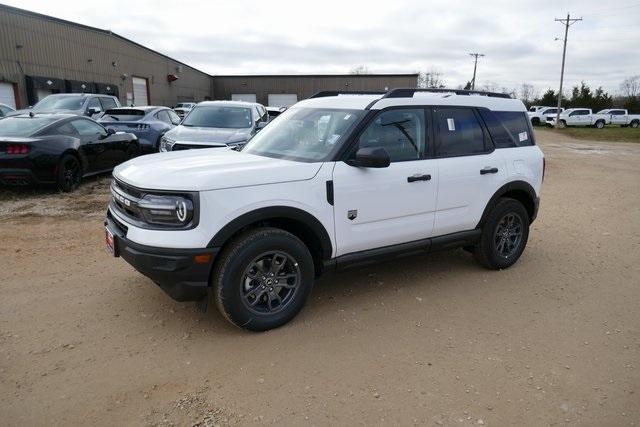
(17, 149)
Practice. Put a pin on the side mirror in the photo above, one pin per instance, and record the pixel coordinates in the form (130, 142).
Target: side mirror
(260, 125)
(370, 157)
(93, 110)
(110, 131)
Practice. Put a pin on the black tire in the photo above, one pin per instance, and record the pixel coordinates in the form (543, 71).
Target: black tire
(489, 252)
(634, 124)
(563, 124)
(535, 121)
(600, 124)
(69, 173)
(249, 276)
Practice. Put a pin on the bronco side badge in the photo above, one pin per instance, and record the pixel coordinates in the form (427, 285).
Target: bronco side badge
(352, 214)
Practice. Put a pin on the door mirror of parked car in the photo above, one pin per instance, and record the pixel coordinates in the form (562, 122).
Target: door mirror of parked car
(93, 110)
(370, 157)
(110, 131)
(260, 125)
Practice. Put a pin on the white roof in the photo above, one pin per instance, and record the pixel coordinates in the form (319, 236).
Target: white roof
(360, 102)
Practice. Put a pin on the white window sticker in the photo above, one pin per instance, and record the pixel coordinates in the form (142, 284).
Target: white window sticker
(523, 136)
(451, 124)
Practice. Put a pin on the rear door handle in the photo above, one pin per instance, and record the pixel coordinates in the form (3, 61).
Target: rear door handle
(415, 178)
(488, 170)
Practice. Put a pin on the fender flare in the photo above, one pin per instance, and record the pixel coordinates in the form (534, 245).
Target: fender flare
(275, 212)
(511, 186)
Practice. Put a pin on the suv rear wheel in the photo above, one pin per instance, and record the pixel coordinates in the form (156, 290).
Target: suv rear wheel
(504, 235)
(263, 279)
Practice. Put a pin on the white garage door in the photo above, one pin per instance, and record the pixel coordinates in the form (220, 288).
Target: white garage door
(282, 99)
(246, 97)
(7, 97)
(140, 94)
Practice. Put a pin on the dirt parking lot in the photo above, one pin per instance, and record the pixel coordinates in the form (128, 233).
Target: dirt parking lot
(555, 340)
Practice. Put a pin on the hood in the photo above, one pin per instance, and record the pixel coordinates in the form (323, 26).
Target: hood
(210, 169)
(220, 136)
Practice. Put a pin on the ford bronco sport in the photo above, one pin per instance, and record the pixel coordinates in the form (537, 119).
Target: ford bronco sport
(337, 180)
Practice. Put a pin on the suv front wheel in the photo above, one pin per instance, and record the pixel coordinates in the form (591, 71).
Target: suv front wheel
(504, 235)
(263, 279)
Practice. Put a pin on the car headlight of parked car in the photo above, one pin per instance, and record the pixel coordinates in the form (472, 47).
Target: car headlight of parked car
(166, 143)
(167, 210)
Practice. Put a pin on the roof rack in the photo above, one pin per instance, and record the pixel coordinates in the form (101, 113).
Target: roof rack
(409, 92)
(325, 93)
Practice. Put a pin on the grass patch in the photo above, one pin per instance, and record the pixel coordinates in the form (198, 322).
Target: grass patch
(609, 133)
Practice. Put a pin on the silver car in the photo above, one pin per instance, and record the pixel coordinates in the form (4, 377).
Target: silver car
(216, 124)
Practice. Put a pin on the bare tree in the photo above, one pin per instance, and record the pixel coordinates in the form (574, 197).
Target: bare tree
(431, 79)
(630, 86)
(528, 93)
(360, 69)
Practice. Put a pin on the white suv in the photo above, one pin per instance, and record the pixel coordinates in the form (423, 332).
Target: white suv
(337, 180)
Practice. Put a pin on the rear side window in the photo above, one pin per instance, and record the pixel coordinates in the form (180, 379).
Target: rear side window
(459, 132)
(508, 128)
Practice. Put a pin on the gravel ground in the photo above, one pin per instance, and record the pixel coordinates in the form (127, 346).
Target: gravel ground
(429, 340)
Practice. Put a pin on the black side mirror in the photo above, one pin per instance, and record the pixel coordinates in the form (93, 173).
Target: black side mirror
(260, 125)
(110, 131)
(93, 110)
(371, 157)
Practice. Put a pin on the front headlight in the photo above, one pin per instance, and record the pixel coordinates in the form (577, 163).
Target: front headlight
(167, 210)
(166, 143)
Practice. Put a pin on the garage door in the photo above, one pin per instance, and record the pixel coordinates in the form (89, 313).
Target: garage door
(246, 97)
(282, 99)
(43, 93)
(7, 97)
(140, 93)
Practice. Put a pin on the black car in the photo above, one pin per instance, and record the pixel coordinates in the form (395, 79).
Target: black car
(59, 149)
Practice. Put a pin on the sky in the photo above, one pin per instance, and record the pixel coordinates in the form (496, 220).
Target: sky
(518, 37)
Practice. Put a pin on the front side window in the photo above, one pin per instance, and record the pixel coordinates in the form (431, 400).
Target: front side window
(618, 113)
(215, 116)
(87, 128)
(94, 103)
(401, 132)
(175, 119)
(163, 116)
(108, 103)
(459, 132)
(304, 134)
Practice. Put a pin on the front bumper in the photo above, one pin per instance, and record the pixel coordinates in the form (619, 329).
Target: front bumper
(182, 273)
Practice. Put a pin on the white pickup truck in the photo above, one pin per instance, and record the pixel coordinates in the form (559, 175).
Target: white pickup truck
(580, 117)
(542, 115)
(618, 116)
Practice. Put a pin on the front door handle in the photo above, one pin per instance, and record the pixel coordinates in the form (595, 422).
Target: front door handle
(488, 170)
(415, 178)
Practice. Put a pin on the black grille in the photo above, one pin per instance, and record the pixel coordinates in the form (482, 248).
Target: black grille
(179, 147)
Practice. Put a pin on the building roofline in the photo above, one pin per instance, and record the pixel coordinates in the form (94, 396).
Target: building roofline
(26, 12)
(316, 75)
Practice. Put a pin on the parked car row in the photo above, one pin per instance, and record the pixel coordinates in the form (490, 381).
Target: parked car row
(541, 115)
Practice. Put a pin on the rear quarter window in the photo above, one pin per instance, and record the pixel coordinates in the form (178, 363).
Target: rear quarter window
(508, 128)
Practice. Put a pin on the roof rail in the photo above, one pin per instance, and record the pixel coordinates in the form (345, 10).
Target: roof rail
(325, 93)
(409, 92)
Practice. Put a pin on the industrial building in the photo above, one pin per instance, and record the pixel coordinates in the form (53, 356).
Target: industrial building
(40, 55)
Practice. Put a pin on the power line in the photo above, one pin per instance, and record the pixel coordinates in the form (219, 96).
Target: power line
(567, 23)
(475, 66)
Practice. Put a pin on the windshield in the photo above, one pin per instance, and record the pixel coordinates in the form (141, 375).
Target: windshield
(533, 109)
(130, 115)
(215, 116)
(57, 102)
(183, 105)
(603, 112)
(23, 126)
(304, 134)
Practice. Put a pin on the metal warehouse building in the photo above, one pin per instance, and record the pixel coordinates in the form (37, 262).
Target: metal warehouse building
(40, 55)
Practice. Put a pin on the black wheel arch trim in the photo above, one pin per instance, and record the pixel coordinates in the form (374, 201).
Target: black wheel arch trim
(511, 186)
(274, 213)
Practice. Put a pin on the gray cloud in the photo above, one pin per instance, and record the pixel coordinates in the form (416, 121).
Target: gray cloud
(257, 37)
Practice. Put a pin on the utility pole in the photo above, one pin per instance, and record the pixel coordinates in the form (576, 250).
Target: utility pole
(567, 23)
(475, 65)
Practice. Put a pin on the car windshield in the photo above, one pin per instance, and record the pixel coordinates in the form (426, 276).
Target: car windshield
(59, 102)
(23, 126)
(125, 115)
(304, 134)
(183, 105)
(216, 116)
(603, 112)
